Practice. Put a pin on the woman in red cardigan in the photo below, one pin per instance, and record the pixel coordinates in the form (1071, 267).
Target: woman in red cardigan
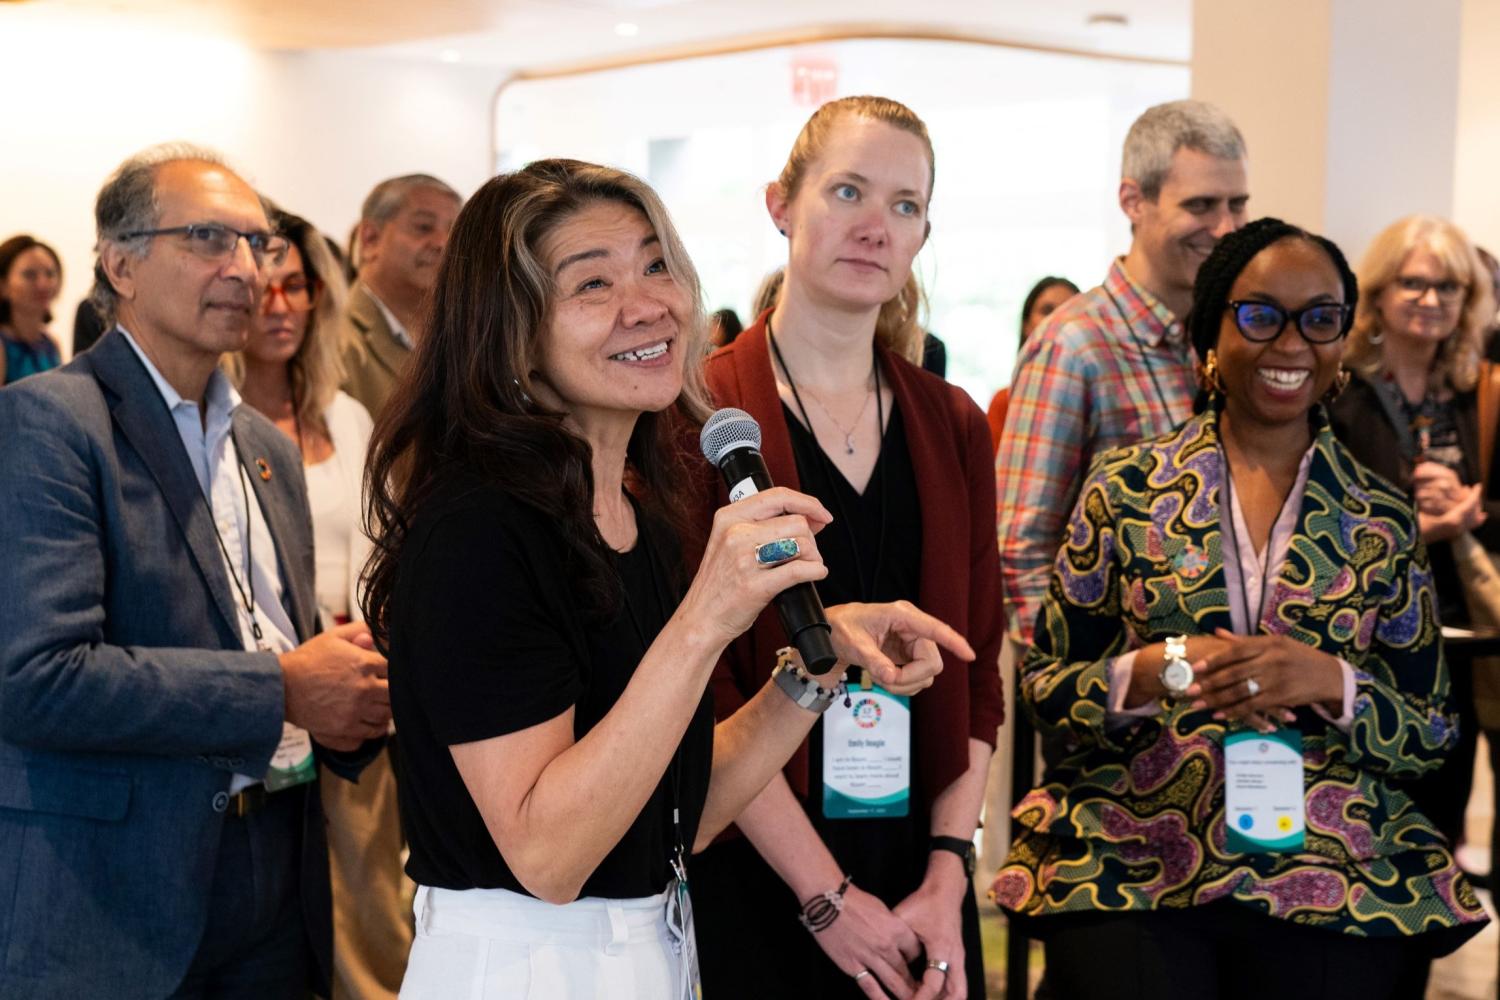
(867, 833)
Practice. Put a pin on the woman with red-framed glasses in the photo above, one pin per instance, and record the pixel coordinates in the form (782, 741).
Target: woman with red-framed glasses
(290, 370)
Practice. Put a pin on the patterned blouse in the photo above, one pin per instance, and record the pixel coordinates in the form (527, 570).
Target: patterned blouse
(1133, 818)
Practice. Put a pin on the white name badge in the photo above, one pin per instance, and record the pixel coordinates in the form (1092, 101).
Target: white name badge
(292, 763)
(867, 755)
(1265, 808)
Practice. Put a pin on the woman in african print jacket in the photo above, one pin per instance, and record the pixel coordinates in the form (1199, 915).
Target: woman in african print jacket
(1122, 865)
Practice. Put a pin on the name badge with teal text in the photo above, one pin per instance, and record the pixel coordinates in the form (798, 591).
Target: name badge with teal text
(867, 755)
(1263, 791)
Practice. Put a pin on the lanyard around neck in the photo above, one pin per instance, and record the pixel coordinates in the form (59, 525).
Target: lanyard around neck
(866, 589)
(247, 588)
(1226, 521)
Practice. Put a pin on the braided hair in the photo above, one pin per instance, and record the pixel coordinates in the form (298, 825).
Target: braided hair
(1231, 256)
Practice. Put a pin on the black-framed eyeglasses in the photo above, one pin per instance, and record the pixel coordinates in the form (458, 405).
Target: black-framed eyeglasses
(216, 242)
(1319, 324)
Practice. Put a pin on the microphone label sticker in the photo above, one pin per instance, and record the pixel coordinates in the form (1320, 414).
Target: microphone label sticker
(867, 756)
(742, 489)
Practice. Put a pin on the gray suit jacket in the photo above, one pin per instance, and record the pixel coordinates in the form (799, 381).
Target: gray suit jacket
(126, 698)
(373, 358)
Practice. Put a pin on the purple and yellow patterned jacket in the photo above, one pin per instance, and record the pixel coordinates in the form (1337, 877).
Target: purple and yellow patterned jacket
(1133, 818)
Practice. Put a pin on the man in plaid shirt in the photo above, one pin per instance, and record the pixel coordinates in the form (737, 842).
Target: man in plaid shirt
(1112, 366)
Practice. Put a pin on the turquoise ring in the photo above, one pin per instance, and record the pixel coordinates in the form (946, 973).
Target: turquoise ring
(777, 552)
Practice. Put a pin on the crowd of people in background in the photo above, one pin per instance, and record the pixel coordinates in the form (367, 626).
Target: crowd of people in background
(372, 629)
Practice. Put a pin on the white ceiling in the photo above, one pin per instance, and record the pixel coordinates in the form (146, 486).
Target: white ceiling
(520, 34)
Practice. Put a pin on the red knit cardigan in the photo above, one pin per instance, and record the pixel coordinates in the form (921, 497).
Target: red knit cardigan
(953, 459)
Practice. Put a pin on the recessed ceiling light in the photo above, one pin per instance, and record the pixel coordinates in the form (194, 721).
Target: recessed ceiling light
(450, 56)
(1108, 21)
(626, 29)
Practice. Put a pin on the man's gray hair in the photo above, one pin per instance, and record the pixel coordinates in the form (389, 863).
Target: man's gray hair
(127, 203)
(382, 203)
(1164, 129)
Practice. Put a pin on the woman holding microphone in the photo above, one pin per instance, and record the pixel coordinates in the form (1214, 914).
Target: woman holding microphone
(550, 657)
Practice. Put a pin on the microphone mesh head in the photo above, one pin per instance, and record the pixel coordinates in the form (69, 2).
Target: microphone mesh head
(726, 430)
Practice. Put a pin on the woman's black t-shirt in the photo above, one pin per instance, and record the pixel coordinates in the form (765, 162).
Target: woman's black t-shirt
(488, 638)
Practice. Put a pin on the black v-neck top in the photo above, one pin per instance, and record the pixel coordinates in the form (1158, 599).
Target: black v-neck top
(487, 639)
(859, 567)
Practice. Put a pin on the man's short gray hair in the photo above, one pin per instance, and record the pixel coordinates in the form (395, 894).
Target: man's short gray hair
(1164, 129)
(382, 203)
(127, 203)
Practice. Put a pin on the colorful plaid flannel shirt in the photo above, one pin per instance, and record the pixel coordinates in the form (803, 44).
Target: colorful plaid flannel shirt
(1083, 385)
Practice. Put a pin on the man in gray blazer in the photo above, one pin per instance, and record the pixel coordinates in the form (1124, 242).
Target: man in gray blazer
(163, 686)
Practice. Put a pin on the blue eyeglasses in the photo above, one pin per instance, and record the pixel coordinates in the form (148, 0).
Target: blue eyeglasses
(1319, 324)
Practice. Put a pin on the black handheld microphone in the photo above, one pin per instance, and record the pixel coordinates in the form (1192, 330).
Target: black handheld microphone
(731, 441)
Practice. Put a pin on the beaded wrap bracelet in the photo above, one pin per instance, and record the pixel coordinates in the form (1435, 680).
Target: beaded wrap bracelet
(822, 910)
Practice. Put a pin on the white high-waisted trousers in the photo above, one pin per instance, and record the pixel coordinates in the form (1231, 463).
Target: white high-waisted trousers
(493, 944)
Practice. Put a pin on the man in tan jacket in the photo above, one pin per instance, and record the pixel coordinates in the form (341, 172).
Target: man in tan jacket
(403, 228)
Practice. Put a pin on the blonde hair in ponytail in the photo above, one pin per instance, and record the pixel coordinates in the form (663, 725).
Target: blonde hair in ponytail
(899, 327)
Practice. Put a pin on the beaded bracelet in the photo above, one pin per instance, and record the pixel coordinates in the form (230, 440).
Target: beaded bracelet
(823, 909)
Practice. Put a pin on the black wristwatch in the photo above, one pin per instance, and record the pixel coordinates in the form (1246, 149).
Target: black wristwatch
(963, 848)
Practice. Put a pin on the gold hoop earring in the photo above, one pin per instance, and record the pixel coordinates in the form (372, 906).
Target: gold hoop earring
(1208, 373)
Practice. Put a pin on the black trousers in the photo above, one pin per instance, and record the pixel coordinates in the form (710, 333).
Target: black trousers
(1220, 951)
(255, 945)
(751, 947)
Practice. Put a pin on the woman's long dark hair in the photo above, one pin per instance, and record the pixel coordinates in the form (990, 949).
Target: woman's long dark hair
(465, 411)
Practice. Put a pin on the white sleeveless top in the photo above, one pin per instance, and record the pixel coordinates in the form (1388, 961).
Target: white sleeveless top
(333, 493)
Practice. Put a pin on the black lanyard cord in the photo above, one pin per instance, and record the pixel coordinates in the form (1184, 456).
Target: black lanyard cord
(866, 588)
(247, 597)
(674, 768)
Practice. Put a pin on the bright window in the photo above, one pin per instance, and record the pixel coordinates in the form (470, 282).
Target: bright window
(1028, 159)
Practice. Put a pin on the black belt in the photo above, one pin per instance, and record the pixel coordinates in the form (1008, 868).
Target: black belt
(248, 800)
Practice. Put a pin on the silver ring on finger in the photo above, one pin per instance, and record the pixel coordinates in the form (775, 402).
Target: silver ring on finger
(862, 973)
(1253, 686)
(777, 552)
(939, 965)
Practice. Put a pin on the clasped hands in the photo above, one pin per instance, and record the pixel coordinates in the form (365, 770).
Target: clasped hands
(1445, 507)
(1286, 674)
(929, 922)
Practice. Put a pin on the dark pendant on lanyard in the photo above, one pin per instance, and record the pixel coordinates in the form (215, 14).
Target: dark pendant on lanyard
(246, 589)
(678, 860)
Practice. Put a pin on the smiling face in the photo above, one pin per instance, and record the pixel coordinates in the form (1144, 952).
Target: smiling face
(1275, 382)
(1423, 302)
(858, 216)
(612, 347)
(184, 304)
(32, 283)
(1202, 199)
(278, 332)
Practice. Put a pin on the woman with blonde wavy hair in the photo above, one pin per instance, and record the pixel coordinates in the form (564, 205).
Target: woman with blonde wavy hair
(290, 370)
(868, 830)
(1411, 413)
